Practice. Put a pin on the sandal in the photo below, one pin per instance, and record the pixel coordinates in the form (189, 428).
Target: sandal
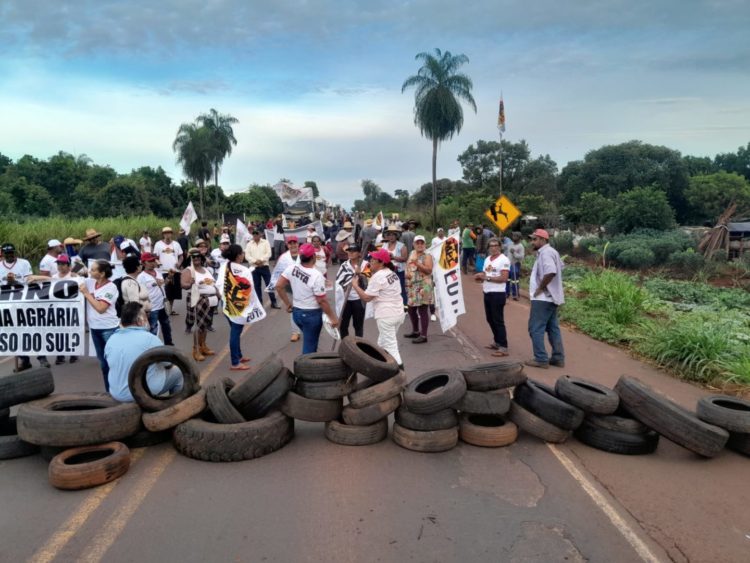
(500, 354)
(245, 360)
(240, 367)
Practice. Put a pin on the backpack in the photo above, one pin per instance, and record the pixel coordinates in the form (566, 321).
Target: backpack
(120, 300)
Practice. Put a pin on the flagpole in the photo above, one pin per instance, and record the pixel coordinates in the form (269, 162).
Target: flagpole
(500, 130)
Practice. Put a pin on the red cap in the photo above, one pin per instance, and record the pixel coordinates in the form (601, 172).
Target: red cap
(307, 250)
(541, 233)
(381, 255)
(147, 257)
(63, 259)
(292, 238)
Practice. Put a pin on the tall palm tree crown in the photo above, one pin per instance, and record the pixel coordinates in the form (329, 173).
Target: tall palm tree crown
(437, 110)
(220, 126)
(194, 147)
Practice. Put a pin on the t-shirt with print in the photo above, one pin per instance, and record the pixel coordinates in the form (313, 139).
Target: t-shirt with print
(307, 284)
(493, 269)
(145, 244)
(109, 294)
(155, 292)
(48, 264)
(169, 255)
(386, 288)
(21, 269)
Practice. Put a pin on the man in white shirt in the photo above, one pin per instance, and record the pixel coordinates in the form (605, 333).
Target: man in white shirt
(218, 253)
(439, 238)
(493, 279)
(48, 264)
(309, 295)
(169, 253)
(287, 259)
(258, 254)
(145, 242)
(153, 281)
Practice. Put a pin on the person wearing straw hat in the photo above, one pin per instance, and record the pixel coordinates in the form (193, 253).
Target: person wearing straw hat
(94, 249)
(203, 295)
(153, 281)
(369, 234)
(169, 254)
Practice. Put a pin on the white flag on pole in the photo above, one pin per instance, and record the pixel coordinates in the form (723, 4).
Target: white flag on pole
(243, 235)
(446, 274)
(188, 218)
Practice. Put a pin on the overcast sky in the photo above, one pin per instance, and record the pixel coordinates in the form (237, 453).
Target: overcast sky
(316, 84)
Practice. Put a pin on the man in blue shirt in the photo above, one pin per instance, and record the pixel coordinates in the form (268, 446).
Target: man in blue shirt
(124, 347)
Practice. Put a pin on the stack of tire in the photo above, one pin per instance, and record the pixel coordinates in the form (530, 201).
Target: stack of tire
(538, 410)
(483, 410)
(322, 382)
(364, 420)
(243, 420)
(16, 389)
(605, 426)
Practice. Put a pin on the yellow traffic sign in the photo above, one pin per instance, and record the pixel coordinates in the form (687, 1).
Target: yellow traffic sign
(503, 213)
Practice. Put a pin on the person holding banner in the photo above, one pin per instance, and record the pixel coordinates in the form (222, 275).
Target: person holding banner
(493, 280)
(384, 291)
(202, 297)
(419, 288)
(349, 306)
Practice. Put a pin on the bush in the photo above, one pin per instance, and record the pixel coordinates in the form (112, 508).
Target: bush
(659, 245)
(563, 242)
(641, 208)
(687, 261)
(585, 245)
(635, 258)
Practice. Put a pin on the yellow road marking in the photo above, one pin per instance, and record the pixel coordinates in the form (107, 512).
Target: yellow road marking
(71, 526)
(643, 551)
(75, 522)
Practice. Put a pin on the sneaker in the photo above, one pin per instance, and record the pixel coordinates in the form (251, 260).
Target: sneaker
(533, 363)
(557, 363)
(23, 366)
(211, 329)
(411, 335)
(275, 306)
(419, 340)
(73, 359)
(433, 318)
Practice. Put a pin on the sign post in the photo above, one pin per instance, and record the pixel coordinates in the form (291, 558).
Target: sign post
(503, 213)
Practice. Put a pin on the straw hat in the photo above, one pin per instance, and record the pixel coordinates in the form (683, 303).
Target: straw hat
(91, 233)
(393, 229)
(71, 240)
(347, 225)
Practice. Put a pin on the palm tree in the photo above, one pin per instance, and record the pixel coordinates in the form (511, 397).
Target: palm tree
(222, 134)
(194, 147)
(437, 112)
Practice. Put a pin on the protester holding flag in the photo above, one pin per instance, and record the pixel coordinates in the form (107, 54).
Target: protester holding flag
(202, 297)
(348, 304)
(189, 217)
(384, 291)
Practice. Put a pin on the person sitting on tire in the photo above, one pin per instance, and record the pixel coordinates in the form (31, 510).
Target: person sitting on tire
(124, 347)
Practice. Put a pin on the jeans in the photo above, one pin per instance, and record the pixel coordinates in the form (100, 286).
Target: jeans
(235, 331)
(172, 383)
(160, 317)
(402, 279)
(263, 273)
(467, 256)
(511, 287)
(543, 318)
(387, 329)
(494, 312)
(355, 310)
(311, 323)
(100, 337)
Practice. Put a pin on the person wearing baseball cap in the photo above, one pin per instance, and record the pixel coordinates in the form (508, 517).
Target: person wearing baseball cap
(48, 263)
(309, 298)
(347, 301)
(384, 291)
(546, 294)
(153, 280)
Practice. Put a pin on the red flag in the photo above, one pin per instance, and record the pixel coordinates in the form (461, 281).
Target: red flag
(501, 116)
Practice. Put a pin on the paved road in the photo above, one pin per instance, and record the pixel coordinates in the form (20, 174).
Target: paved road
(315, 500)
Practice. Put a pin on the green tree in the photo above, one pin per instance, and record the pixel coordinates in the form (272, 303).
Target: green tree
(710, 194)
(125, 195)
(437, 111)
(699, 165)
(314, 186)
(738, 162)
(595, 209)
(642, 208)
(194, 146)
(403, 197)
(5, 162)
(222, 140)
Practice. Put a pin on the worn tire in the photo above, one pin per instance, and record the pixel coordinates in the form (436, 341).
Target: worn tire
(220, 405)
(430, 441)
(495, 375)
(495, 402)
(587, 395)
(176, 414)
(616, 442)
(137, 378)
(726, 412)
(371, 413)
(367, 358)
(11, 446)
(249, 387)
(17, 388)
(269, 397)
(487, 430)
(144, 438)
(77, 419)
(541, 400)
(441, 420)
(312, 410)
(210, 441)
(89, 466)
(350, 435)
(378, 392)
(536, 426)
(321, 366)
(669, 419)
(616, 423)
(434, 391)
(739, 442)
(324, 390)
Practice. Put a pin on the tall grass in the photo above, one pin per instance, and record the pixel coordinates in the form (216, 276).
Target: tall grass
(614, 293)
(30, 237)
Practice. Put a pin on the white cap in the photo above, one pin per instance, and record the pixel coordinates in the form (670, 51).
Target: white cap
(224, 238)
(54, 242)
(419, 237)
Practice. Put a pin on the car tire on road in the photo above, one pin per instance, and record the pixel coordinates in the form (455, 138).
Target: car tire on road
(726, 412)
(616, 442)
(536, 426)
(321, 366)
(441, 420)
(541, 400)
(211, 441)
(144, 438)
(268, 398)
(311, 410)
(487, 430)
(324, 390)
(669, 419)
(249, 387)
(350, 435)
(219, 404)
(367, 358)
(176, 414)
(378, 392)
(371, 413)
(495, 402)
(428, 441)
(11, 446)
(495, 375)
(25, 386)
(434, 391)
(618, 423)
(89, 466)
(77, 419)
(587, 395)
(137, 378)
(739, 442)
